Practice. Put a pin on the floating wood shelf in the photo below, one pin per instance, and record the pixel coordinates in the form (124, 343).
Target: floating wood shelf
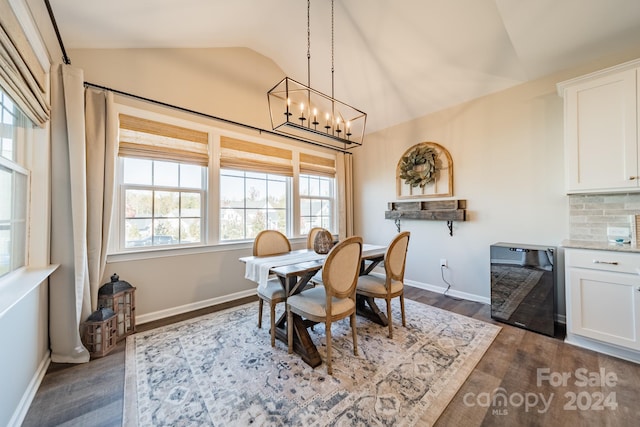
(437, 210)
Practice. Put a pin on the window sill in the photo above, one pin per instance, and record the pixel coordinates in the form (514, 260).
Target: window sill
(160, 252)
(18, 284)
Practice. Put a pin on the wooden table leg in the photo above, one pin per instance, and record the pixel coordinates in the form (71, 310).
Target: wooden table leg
(366, 306)
(302, 343)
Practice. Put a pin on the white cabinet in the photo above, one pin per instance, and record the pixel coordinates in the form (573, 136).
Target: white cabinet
(603, 299)
(601, 119)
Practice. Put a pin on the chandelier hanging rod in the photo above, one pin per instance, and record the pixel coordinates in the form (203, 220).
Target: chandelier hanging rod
(330, 122)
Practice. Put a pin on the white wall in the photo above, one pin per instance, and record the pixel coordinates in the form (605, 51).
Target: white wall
(507, 151)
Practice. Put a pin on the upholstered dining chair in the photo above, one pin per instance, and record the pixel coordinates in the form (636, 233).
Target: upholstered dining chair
(336, 299)
(392, 285)
(270, 242)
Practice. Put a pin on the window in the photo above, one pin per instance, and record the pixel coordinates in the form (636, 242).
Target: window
(251, 202)
(169, 198)
(163, 184)
(316, 202)
(14, 181)
(163, 202)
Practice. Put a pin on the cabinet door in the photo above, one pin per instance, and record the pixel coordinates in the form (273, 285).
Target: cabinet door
(604, 306)
(601, 141)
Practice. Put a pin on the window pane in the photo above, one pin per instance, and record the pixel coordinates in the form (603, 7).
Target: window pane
(256, 222)
(137, 171)
(138, 233)
(190, 176)
(316, 206)
(138, 203)
(304, 185)
(190, 231)
(166, 231)
(256, 193)
(14, 185)
(314, 187)
(166, 204)
(325, 187)
(305, 207)
(165, 174)
(232, 224)
(277, 194)
(5, 194)
(190, 205)
(5, 249)
(277, 220)
(260, 201)
(231, 192)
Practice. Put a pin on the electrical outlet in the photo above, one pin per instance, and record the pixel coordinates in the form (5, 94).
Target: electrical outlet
(443, 262)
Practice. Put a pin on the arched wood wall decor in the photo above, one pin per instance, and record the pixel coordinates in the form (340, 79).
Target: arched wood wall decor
(424, 170)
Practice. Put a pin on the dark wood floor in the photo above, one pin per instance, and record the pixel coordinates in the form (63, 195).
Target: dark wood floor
(91, 394)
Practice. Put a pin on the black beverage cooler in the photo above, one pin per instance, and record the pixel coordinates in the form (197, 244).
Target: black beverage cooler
(523, 282)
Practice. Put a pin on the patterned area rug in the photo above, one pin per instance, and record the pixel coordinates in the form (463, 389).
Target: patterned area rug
(509, 286)
(220, 369)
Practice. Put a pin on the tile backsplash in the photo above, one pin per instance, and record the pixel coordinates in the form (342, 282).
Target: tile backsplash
(590, 214)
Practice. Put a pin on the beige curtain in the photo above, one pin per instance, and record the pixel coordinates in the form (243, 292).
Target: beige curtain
(344, 174)
(69, 301)
(83, 138)
(101, 127)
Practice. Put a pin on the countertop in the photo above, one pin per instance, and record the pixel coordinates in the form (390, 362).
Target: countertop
(602, 246)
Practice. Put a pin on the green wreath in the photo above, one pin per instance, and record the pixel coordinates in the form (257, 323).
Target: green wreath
(418, 168)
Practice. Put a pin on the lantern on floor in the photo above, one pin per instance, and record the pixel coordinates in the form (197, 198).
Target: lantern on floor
(119, 296)
(99, 334)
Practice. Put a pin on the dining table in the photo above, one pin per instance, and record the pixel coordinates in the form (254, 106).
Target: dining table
(295, 269)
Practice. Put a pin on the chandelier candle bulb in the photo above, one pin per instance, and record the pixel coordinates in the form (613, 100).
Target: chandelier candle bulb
(302, 118)
(287, 113)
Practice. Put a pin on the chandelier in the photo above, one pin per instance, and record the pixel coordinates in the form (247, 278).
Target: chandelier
(298, 110)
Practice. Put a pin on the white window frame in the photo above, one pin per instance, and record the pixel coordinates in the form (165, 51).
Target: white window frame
(210, 231)
(123, 187)
(22, 140)
(331, 199)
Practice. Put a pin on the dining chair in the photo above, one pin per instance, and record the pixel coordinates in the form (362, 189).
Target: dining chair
(392, 284)
(270, 242)
(336, 299)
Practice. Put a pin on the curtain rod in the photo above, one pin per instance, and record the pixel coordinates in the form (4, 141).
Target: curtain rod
(209, 116)
(65, 58)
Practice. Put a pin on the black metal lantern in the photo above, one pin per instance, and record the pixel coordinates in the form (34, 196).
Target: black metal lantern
(99, 334)
(119, 296)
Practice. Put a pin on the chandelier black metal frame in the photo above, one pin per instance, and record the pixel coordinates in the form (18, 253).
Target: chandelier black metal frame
(298, 110)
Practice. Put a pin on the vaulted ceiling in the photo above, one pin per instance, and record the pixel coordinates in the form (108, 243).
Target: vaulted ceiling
(394, 59)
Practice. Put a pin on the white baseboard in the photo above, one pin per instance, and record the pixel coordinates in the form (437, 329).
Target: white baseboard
(442, 290)
(157, 315)
(601, 347)
(23, 407)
